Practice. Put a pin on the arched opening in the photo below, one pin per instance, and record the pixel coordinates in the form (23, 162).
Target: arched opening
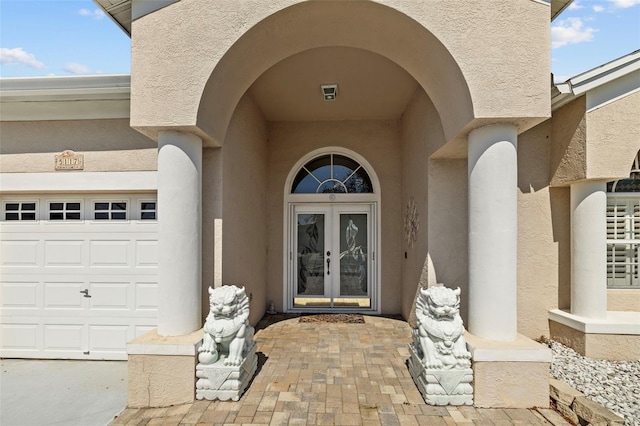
(286, 33)
(331, 234)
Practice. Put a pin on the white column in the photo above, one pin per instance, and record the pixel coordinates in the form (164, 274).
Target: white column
(179, 233)
(589, 249)
(493, 232)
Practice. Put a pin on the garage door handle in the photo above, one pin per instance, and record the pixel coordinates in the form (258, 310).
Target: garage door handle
(85, 292)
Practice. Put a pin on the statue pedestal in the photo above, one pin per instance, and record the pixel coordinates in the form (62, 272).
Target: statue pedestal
(441, 386)
(225, 382)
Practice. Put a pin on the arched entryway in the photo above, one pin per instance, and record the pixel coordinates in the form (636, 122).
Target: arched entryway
(332, 197)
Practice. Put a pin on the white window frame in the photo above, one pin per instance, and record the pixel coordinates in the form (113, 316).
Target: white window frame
(64, 211)
(110, 201)
(143, 200)
(20, 211)
(623, 240)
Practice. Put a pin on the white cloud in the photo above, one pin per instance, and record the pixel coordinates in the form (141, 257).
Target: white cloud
(575, 5)
(76, 68)
(18, 56)
(95, 14)
(598, 8)
(570, 31)
(623, 4)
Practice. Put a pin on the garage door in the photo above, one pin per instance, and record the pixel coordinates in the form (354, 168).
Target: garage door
(78, 275)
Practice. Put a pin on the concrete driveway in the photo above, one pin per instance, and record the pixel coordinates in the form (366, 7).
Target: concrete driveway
(43, 392)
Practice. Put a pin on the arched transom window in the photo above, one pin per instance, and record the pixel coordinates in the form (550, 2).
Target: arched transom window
(332, 173)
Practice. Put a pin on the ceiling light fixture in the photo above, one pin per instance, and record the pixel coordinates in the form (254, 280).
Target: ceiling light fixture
(329, 91)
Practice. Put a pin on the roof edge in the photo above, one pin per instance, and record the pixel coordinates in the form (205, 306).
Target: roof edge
(563, 93)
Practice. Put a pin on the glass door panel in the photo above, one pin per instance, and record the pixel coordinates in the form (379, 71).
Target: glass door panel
(354, 247)
(311, 258)
(332, 256)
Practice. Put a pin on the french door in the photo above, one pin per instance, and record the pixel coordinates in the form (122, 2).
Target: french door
(332, 251)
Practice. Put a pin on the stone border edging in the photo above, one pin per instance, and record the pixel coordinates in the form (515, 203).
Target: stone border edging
(579, 409)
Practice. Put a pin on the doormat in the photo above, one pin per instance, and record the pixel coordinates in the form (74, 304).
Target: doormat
(334, 318)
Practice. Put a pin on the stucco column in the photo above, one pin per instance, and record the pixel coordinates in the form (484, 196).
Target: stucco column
(589, 249)
(179, 233)
(493, 232)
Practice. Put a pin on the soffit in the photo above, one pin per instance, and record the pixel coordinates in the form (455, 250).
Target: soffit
(557, 6)
(369, 87)
(119, 11)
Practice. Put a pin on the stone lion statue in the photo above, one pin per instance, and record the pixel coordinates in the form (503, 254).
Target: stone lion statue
(440, 332)
(226, 330)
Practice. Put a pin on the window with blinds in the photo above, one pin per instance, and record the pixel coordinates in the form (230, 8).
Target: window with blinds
(623, 239)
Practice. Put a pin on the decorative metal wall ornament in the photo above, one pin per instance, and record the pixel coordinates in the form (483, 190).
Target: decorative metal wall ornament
(411, 222)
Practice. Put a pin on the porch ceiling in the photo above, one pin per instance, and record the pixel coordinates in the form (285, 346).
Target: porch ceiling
(369, 86)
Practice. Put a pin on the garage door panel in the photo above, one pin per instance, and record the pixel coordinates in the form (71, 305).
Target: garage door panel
(19, 253)
(64, 295)
(110, 253)
(18, 338)
(65, 337)
(146, 253)
(66, 253)
(146, 296)
(110, 296)
(21, 295)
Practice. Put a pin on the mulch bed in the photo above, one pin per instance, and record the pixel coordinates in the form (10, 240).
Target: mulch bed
(334, 318)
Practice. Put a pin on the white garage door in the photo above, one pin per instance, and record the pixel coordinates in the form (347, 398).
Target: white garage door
(78, 275)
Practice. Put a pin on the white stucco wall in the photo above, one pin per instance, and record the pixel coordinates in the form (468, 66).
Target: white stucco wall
(379, 143)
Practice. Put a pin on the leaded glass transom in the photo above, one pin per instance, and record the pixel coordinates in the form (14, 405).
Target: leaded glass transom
(332, 173)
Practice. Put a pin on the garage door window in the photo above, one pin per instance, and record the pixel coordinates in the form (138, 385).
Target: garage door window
(110, 210)
(147, 210)
(20, 211)
(62, 210)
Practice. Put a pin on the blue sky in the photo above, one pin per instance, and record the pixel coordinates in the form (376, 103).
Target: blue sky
(67, 37)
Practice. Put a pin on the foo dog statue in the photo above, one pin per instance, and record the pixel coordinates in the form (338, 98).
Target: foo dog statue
(440, 363)
(227, 357)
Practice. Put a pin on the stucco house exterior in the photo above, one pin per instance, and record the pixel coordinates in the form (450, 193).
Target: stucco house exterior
(329, 156)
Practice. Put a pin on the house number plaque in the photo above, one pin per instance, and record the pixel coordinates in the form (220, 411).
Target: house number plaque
(69, 160)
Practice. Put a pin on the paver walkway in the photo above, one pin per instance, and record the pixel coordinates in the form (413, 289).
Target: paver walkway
(331, 374)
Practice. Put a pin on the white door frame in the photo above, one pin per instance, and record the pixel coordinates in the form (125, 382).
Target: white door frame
(291, 200)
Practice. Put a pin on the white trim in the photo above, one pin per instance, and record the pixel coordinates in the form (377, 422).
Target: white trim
(613, 91)
(78, 182)
(65, 98)
(117, 86)
(65, 110)
(573, 88)
(373, 198)
(616, 322)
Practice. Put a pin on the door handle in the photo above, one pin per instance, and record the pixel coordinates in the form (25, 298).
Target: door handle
(328, 263)
(85, 292)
